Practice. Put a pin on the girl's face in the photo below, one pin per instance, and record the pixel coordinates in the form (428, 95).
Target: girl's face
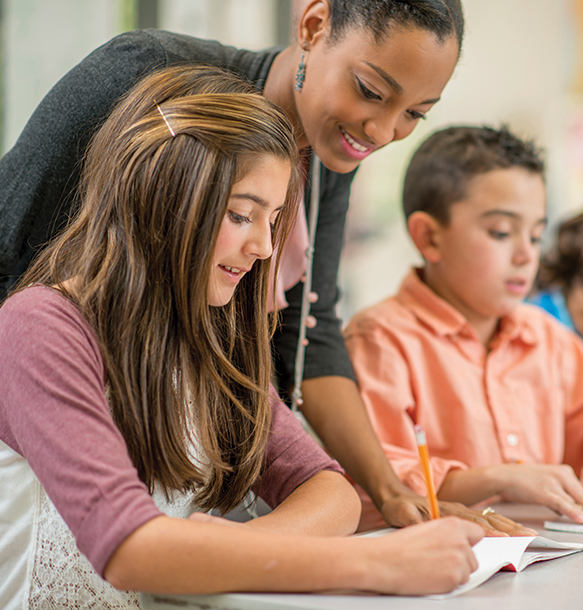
(359, 95)
(246, 231)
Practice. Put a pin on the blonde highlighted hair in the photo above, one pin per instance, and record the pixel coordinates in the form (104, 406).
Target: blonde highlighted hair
(140, 252)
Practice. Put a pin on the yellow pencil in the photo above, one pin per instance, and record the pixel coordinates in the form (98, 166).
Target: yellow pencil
(426, 466)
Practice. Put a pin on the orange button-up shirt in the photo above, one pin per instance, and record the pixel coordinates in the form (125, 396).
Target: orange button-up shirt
(416, 358)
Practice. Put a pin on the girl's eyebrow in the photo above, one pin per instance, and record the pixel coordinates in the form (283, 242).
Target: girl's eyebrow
(258, 200)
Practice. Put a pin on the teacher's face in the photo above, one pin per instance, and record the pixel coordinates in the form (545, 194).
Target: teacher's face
(359, 95)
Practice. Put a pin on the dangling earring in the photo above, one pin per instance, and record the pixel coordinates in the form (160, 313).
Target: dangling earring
(301, 72)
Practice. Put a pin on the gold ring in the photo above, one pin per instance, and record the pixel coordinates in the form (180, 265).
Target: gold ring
(488, 511)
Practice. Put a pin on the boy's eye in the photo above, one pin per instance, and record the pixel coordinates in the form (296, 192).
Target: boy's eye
(499, 234)
(366, 92)
(536, 240)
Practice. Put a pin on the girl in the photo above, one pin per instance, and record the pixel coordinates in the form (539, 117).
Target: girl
(359, 75)
(134, 380)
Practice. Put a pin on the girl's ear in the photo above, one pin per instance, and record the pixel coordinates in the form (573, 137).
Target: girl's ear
(313, 23)
(426, 233)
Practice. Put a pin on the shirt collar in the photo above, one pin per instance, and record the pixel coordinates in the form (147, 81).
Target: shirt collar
(445, 320)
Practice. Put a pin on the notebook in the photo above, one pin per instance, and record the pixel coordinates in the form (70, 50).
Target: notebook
(512, 554)
(564, 525)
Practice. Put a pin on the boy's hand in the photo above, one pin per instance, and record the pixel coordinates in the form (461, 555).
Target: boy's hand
(555, 486)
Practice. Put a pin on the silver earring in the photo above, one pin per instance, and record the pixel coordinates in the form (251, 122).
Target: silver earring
(301, 72)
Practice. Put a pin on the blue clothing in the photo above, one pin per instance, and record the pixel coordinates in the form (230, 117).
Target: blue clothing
(554, 303)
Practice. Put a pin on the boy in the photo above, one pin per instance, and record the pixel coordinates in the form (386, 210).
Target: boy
(496, 384)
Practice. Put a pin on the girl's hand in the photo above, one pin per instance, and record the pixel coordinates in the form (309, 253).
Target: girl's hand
(433, 557)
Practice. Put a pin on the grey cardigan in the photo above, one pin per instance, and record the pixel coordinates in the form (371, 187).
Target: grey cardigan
(40, 173)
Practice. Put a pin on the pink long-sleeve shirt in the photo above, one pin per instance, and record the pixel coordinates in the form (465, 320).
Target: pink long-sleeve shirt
(54, 413)
(416, 358)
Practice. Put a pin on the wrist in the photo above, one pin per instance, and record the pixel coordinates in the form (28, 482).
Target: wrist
(491, 481)
(470, 486)
(361, 566)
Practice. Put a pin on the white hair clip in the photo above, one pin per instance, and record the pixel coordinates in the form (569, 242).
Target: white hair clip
(165, 119)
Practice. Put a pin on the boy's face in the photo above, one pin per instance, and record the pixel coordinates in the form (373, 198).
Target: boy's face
(487, 257)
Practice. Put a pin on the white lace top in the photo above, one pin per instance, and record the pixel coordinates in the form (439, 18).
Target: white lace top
(48, 570)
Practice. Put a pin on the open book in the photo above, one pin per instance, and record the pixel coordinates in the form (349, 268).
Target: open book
(512, 554)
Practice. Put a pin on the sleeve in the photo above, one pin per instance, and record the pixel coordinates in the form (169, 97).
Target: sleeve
(384, 379)
(40, 173)
(53, 412)
(326, 353)
(572, 372)
(292, 456)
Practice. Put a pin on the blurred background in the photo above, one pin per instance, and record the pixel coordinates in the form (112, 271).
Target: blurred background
(522, 64)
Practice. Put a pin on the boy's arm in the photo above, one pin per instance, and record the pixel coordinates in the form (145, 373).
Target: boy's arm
(552, 485)
(557, 486)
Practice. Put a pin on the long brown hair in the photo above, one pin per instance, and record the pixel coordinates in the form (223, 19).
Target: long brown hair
(181, 375)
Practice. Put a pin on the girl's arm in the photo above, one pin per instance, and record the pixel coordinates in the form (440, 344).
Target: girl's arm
(325, 505)
(181, 556)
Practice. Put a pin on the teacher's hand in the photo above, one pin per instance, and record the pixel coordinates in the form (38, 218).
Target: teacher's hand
(409, 508)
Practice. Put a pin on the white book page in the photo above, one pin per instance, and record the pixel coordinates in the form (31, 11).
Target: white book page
(493, 554)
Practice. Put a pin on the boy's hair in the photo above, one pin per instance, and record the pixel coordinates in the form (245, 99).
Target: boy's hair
(442, 166)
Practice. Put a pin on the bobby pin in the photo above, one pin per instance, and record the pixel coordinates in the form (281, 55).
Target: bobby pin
(165, 119)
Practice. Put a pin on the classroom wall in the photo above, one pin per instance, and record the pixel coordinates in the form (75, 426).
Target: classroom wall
(42, 39)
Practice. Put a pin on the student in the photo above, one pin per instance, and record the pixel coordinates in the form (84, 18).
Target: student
(135, 372)
(559, 284)
(496, 384)
(385, 62)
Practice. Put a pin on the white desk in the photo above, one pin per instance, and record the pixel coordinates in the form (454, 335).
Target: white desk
(549, 585)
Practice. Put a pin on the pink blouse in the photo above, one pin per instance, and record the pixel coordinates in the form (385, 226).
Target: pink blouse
(54, 413)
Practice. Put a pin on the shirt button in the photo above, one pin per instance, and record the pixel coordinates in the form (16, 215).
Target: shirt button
(512, 440)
